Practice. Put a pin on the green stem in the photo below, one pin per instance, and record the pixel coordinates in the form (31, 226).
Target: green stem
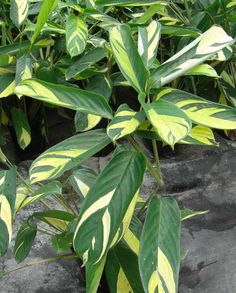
(187, 9)
(154, 172)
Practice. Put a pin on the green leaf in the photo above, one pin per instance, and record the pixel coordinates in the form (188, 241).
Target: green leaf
(200, 135)
(82, 180)
(148, 39)
(23, 69)
(203, 69)
(122, 272)
(85, 62)
(19, 11)
(7, 82)
(24, 46)
(106, 205)
(24, 240)
(76, 35)
(57, 219)
(67, 154)
(93, 275)
(49, 189)
(201, 111)
(21, 126)
(128, 2)
(7, 206)
(47, 7)
(159, 255)
(125, 122)
(187, 214)
(229, 92)
(65, 96)
(128, 58)
(198, 51)
(98, 84)
(169, 121)
(62, 242)
(175, 30)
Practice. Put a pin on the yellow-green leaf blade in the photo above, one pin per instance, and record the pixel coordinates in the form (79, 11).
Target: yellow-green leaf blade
(65, 96)
(127, 57)
(170, 123)
(125, 122)
(159, 256)
(106, 204)
(67, 154)
(7, 206)
(76, 35)
(201, 111)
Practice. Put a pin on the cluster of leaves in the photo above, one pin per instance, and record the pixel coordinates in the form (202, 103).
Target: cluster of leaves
(73, 54)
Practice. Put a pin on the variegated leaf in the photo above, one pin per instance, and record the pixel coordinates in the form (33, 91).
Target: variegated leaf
(106, 205)
(85, 62)
(169, 121)
(129, 2)
(125, 122)
(200, 135)
(203, 69)
(57, 219)
(82, 180)
(148, 40)
(7, 206)
(24, 240)
(76, 35)
(127, 57)
(21, 126)
(122, 271)
(198, 51)
(18, 11)
(159, 255)
(199, 110)
(7, 82)
(67, 154)
(65, 96)
(51, 188)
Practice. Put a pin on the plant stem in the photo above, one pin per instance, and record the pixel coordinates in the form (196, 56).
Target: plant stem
(187, 9)
(43, 261)
(154, 172)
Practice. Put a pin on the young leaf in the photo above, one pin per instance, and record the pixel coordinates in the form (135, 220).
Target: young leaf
(201, 111)
(85, 62)
(18, 11)
(127, 57)
(122, 272)
(57, 219)
(47, 7)
(200, 135)
(159, 255)
(169, 121)
(76, 35)
(198, 51)
(67, 154)
(24, 240)
(64, 96)
(7, 206)
(82, 180)
(106, 205)
(148, 39)
(51, 188)
(125, 122)
(21, 126)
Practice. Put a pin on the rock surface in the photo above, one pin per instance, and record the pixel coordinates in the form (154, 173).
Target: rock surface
(201, 179)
